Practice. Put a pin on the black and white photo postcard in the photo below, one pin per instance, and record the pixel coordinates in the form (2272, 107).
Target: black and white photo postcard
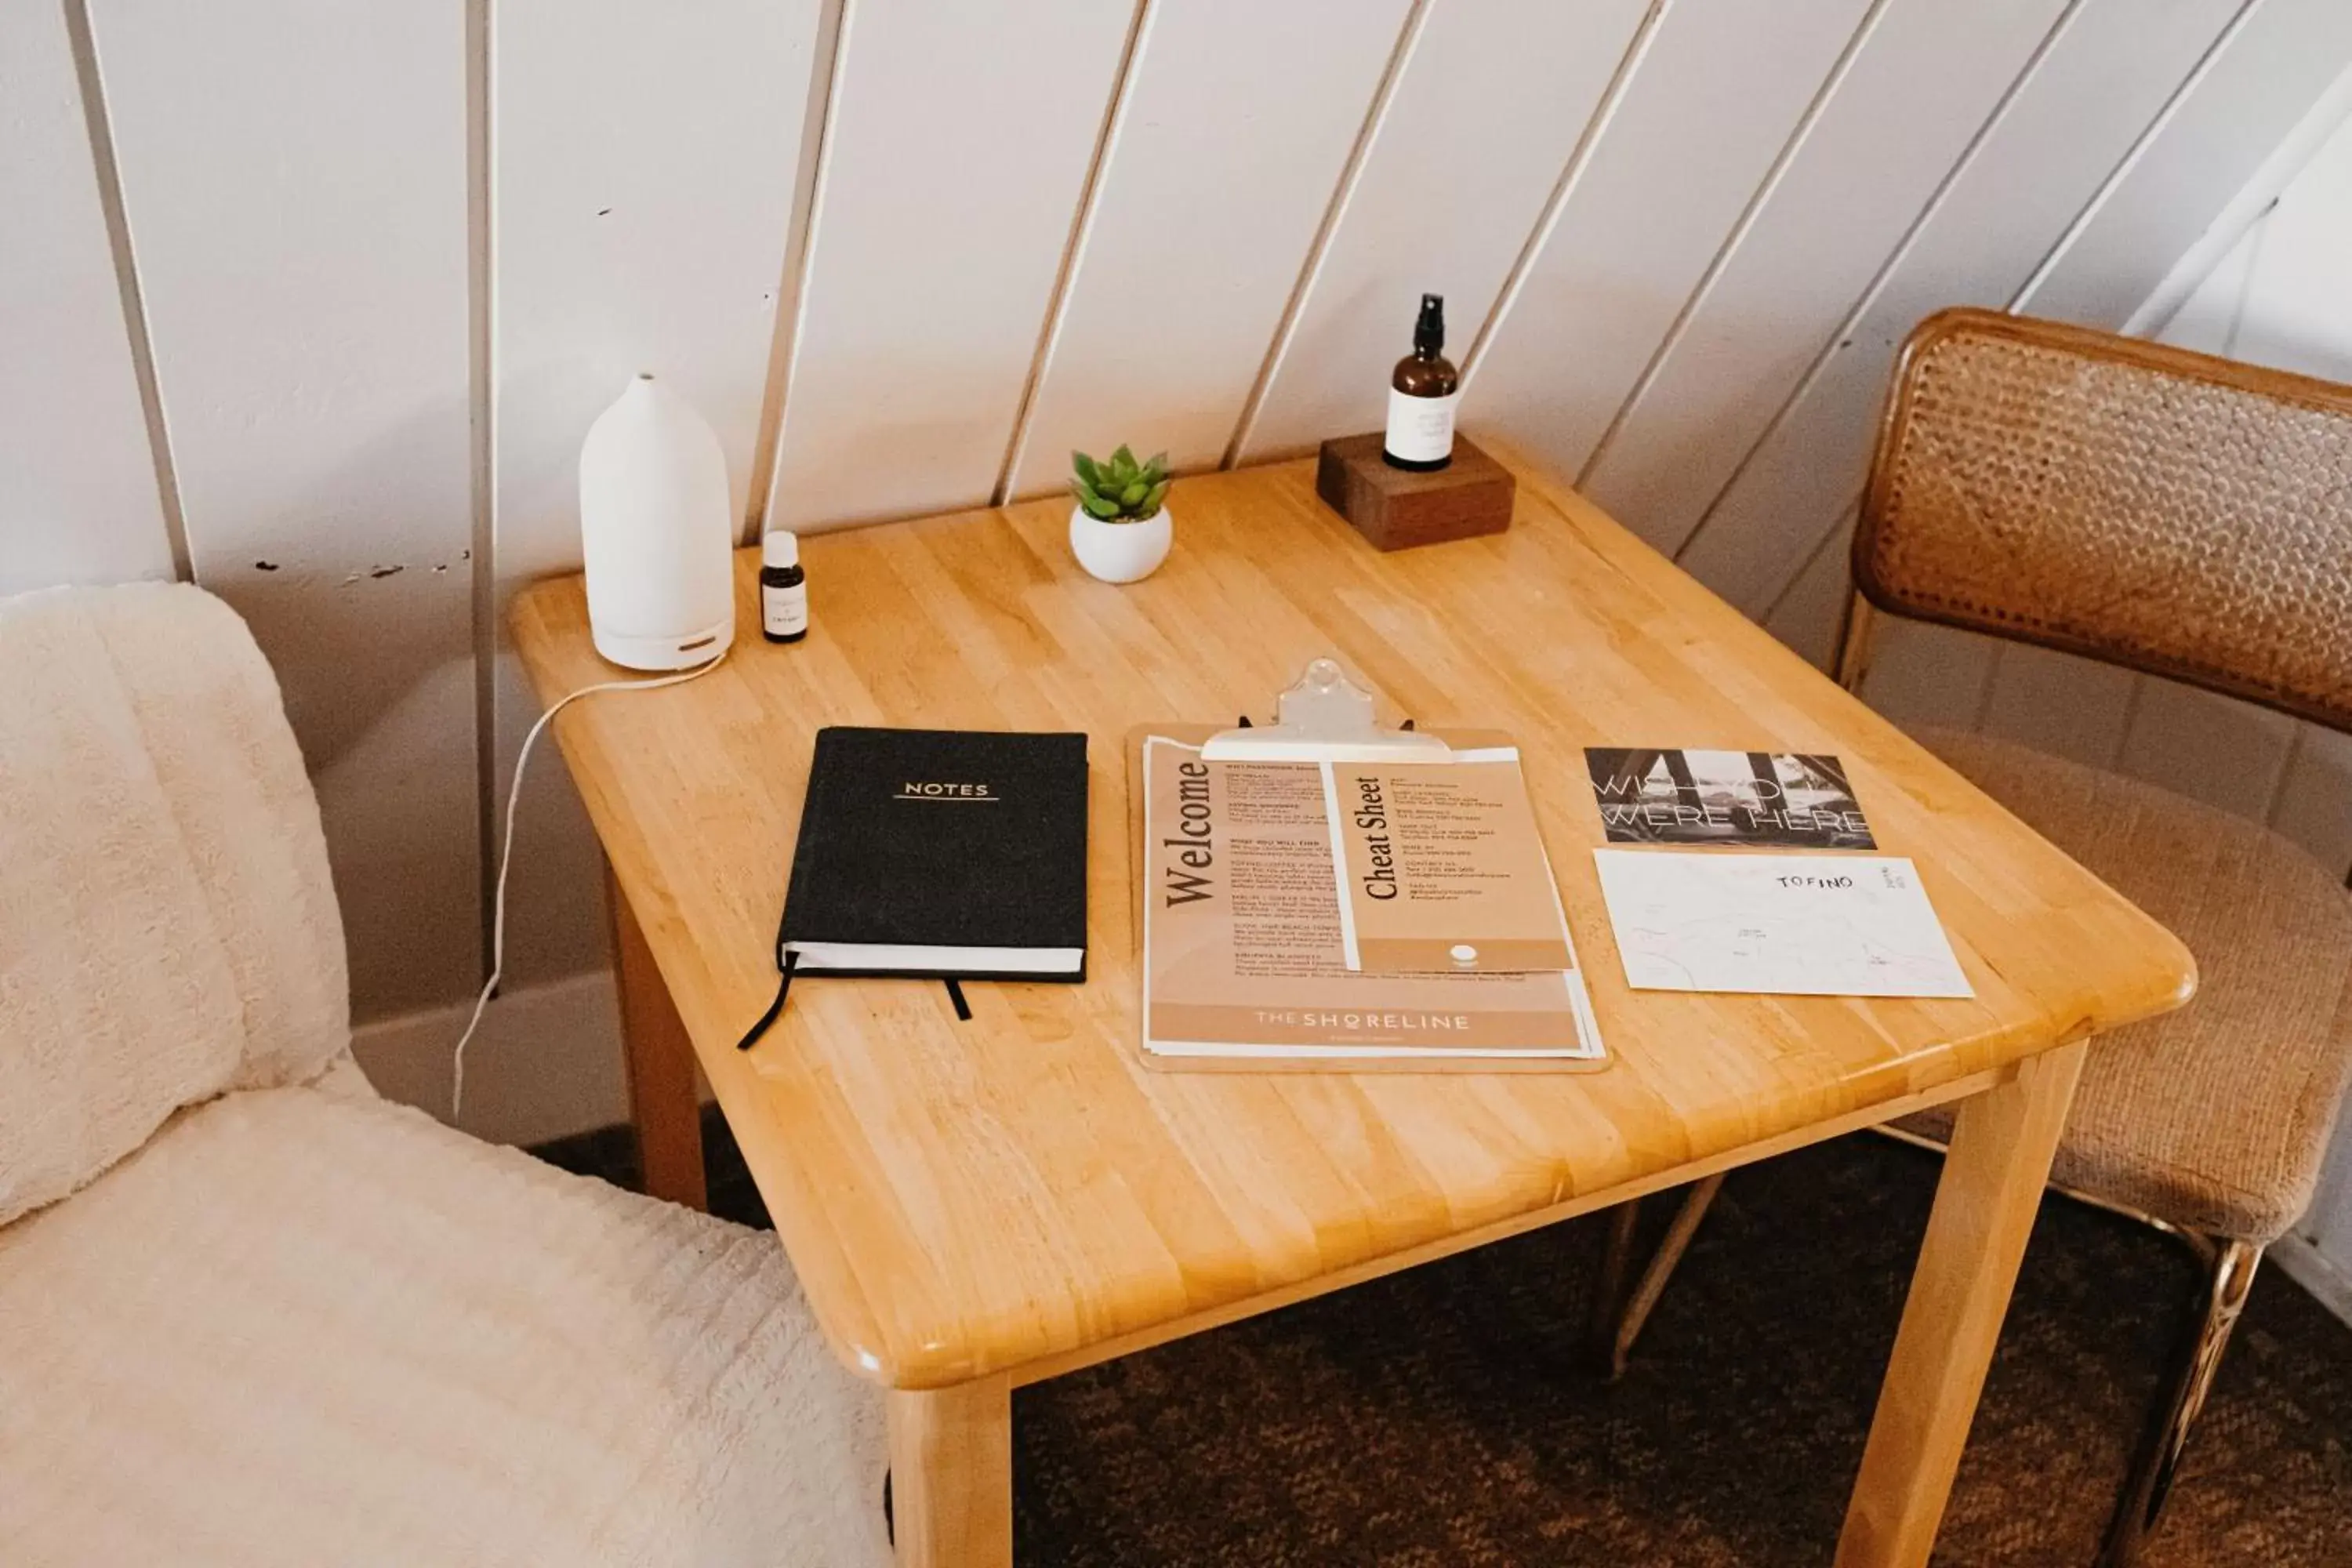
(1778, 798)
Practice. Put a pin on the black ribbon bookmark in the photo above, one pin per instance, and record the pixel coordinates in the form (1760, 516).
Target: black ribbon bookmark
(785, 989)
(775, 1008)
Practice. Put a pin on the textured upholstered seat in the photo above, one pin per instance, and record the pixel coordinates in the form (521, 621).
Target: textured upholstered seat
(251, 1314)
(2212, 1118)
(298, 1328)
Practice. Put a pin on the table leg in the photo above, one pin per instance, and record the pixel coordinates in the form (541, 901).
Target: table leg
(663, 1104)
(1985, 1205)
(951, 1474)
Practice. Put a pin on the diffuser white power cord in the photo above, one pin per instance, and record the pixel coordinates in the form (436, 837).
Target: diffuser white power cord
(506, 855)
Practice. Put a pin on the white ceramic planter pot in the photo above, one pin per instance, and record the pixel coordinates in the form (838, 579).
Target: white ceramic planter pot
(1121, 552)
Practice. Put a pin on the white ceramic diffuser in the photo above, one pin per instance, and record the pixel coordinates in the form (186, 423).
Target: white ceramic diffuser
(657, 532)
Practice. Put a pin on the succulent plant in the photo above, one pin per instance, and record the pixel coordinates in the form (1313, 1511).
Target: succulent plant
(1119, 488)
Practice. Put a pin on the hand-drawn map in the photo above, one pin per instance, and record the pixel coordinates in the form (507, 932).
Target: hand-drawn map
(1814, 925)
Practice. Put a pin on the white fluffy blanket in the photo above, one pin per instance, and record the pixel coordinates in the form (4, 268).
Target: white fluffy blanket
(298, 1325)
(167, 927)
(302, 1329)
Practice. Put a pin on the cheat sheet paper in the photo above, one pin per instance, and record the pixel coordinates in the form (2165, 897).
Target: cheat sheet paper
(1441, 866)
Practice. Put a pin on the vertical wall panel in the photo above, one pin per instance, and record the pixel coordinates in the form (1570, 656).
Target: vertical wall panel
(1905, 110)
(1807, 613)
(2328, 1224)
(2294, 310)
(644, 159)
(2101, 83)
(2208, 320)
(958, 149)
(295, 183)
(2258, 84)
(2315, 802)
(1696, 127)
(1926, 674)
(2060, 703)
(1476, 134)
(2215, 749)
(1238, 122)
(77, 493)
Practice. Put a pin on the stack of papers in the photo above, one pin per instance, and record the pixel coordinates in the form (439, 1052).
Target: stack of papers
(1830, 924)
(1353, 913)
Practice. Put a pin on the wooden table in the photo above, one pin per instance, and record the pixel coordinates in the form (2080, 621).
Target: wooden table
(974, 1206)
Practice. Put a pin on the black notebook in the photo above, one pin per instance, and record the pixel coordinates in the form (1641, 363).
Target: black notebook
(942, 853)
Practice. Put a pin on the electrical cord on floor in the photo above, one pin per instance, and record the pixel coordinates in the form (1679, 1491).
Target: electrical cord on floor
(506, 855)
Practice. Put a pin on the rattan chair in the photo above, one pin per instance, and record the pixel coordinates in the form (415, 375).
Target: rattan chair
(2190, 517)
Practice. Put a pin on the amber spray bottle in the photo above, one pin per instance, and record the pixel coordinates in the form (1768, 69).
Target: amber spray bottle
(783, 588)
(1421, 395)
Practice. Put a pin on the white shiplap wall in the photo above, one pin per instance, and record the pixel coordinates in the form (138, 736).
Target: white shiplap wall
(2094, 128)
(2104, 71)
(960, 144)
(1840, 200)
(1486, 110)
(388, 260)
(295, 184)
(1218, 168)
(635, 230)
(77, 472)
(1700, 117)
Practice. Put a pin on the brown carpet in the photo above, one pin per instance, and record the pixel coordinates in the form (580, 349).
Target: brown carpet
(1441, 1419)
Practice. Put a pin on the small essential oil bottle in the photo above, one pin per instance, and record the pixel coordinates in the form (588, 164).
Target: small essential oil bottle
(783, 588)
(1421, 395)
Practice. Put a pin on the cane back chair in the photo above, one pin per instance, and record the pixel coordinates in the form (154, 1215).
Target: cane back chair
(2185, 516)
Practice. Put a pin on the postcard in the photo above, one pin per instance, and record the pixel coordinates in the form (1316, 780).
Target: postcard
(1814, 925)
(1782, 799)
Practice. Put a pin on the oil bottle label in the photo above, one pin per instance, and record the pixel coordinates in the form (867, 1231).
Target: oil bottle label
(1420, 429)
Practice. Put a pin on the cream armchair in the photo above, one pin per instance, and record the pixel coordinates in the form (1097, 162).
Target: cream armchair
(249, 1312)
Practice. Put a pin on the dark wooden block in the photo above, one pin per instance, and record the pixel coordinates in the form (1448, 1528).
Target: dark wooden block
(1397, 508)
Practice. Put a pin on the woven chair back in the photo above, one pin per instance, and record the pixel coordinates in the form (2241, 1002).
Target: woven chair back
(2164, 510)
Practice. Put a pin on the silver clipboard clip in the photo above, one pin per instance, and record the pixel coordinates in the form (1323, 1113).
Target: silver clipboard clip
(1324, 718)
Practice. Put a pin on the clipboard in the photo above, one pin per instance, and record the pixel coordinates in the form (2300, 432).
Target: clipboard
(1220, 1003)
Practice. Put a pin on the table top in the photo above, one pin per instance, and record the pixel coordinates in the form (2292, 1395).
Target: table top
(964, 1198)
